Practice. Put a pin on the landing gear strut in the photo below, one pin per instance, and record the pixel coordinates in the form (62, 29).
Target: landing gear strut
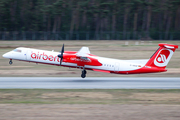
(83, 75)
(10, 62)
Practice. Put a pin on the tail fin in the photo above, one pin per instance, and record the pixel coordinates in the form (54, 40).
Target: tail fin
(162, 56)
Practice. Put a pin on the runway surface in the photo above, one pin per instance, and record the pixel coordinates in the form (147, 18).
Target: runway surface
(90, 83)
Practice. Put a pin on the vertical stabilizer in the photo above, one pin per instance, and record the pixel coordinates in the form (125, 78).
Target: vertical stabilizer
(162, 56)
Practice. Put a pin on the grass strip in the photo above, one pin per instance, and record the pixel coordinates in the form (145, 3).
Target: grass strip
(90, 96)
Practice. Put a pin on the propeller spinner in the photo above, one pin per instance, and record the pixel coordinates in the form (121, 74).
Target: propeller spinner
(61, 55)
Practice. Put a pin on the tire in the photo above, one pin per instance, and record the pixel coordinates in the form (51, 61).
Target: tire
(83, 75)
(10, 62)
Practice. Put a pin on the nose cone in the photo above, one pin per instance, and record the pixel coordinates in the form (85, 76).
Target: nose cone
(6, 55)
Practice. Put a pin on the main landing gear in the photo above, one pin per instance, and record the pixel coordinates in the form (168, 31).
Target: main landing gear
(10, 62)
(83, 75)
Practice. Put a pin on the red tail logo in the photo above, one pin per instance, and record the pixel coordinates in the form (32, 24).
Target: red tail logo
(163, 57)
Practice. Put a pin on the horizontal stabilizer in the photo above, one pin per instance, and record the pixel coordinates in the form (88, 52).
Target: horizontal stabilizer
(170, 46)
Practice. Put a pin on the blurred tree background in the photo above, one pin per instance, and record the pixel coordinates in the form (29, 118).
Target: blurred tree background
(126, 16)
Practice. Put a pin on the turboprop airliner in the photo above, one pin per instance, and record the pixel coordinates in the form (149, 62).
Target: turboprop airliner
(84, 60)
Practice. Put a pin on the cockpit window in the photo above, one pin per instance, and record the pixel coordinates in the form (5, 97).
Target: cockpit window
(17, 50)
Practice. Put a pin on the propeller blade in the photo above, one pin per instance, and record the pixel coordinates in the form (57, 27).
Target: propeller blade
(61, 61)
(61, 55)
(62, 50)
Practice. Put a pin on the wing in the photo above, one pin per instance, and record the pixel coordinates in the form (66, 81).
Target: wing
(83, 52)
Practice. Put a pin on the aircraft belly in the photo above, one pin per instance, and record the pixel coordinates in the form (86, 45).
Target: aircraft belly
(69, 64)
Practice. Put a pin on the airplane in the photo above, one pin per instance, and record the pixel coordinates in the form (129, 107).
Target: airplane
(84, 60)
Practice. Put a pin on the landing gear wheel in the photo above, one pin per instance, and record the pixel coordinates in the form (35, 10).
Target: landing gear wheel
(10, 62)
(83, 75)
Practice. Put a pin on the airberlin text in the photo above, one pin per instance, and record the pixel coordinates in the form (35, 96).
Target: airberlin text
(44, 56)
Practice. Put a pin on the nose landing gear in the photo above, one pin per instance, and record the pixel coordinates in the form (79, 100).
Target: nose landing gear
(10, 62)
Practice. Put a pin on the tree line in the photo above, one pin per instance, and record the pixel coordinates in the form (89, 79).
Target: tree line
(90, 15)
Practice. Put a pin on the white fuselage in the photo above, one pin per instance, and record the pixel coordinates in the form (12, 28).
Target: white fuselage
(50, 57)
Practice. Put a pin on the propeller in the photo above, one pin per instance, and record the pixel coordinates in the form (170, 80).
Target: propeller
(61, 55)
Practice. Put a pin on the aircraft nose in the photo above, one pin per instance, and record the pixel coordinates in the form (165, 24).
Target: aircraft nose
(6, 55)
